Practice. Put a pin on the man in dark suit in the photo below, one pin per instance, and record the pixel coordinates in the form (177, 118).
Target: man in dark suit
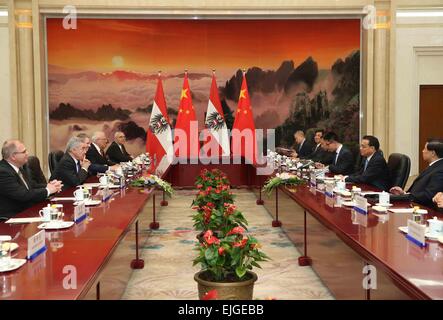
(73, 166)
(319, 151)
(116, 151)
(17, 192)
(343, 162)
(430, 181)
(374, 169)
(96, 152)
(303, 147)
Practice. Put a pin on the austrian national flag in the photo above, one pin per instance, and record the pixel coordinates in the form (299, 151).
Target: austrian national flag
(216, 125)
(186, 144)
(243, 131)
(159, 138)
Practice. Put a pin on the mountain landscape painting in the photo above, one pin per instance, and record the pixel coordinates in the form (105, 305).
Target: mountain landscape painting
(301, 74)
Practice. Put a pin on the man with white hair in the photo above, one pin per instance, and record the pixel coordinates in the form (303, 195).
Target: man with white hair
(16, 190)
(117, 151)
(73, 166)
(96, 152)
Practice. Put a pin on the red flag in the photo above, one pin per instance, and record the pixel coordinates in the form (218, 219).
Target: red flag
(186, 128)
(243, 131)
(159, 137)
(216, 133)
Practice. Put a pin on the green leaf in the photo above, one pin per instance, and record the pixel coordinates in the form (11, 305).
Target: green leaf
(240, 271)
(210, 253)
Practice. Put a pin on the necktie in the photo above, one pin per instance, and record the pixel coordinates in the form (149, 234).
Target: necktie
(336, 158)
(20, 174)
(366, 165)
(79, 167)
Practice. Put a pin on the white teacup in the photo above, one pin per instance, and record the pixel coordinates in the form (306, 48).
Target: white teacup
(79, 194)
(435, 226)
(384, 198)
(45, 213)
(103, 180)
(341, 185)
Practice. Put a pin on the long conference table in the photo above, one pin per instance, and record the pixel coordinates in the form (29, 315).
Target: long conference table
(337, 244)
(75, 257)
(344, 247)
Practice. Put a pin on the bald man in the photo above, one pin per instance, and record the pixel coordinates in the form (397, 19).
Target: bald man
(117, 152)
(16, 190)
(96, 152)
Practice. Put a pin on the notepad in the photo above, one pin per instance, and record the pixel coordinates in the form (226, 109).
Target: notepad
(402, 210)
(63, 199)
(24, 220)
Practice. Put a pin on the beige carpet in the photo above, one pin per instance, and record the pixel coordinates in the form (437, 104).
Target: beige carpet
(168, 254)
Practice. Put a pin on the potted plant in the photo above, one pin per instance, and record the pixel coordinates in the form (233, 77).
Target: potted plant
(226, 253)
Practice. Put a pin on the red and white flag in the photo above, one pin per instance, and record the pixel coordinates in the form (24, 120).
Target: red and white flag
(186, 144)
(159, 137)
(243, 141)
(217, 135)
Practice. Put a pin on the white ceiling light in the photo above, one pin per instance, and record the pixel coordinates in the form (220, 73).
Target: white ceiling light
(419, 13)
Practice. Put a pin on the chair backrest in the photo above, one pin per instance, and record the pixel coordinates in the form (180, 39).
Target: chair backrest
(54, 158)
(34, 171)
(399, 168)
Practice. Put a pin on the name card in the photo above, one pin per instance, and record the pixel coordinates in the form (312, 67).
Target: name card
(329, 191)
(416, 233)
(361, 204)
(107, 194)
(80, 212)
(36, 245)
(313, 180)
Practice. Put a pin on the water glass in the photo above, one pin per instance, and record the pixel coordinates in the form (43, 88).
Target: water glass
(5, 254)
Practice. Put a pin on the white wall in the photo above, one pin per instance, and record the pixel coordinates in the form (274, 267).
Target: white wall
(5, 88)
(419, 60)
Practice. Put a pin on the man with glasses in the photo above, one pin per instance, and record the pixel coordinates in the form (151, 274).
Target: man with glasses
(117, 152)
(430, 181)
(16, 190)
(374, 169)
(343, 162)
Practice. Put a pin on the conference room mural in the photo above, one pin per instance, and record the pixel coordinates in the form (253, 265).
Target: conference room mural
(301, 73)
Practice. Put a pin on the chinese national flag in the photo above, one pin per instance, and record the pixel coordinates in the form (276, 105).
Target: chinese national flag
(186, 128)
(243, 131)
(159, 137)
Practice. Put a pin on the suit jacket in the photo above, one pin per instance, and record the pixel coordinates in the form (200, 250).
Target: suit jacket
(425, 186)
(305, 150)
(66, 171)
(96, 158)
(320, 155)
(14, 196)
(376, 173)
(345, 162)
(117, 155)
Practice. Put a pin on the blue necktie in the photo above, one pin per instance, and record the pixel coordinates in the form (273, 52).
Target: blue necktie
(79, 167)
(336, 157)
(366, 164)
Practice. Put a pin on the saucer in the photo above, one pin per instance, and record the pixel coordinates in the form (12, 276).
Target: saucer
(380, 209)
(13, 265)
(56, 225)
(384, 204)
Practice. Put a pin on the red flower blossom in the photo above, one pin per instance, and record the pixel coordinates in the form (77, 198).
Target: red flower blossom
(210, 239)
(210, 295)
(236, 230)
(241, 244)
(199, 186)
(210, 204)
(209, 189)
(221, 250)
